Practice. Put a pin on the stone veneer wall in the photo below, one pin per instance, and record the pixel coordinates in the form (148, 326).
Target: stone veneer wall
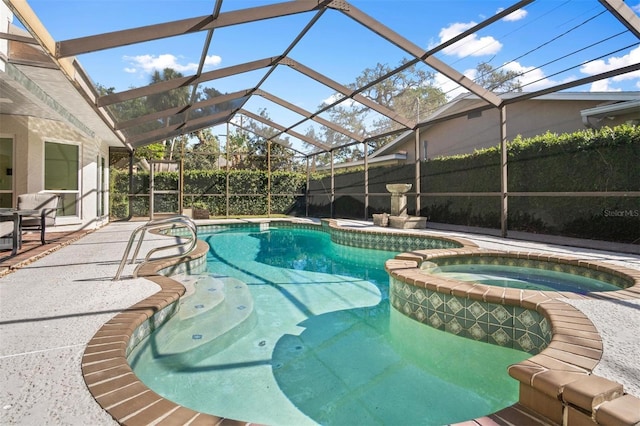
(500, 324)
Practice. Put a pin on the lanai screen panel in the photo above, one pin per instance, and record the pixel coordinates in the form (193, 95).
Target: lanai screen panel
(348, 55)
(332, 48)
(127, 66)
(250, 41)
(544, 44)
(245, 81)
(259, 104)
(298, 89)
(214, 108)
(342, 49)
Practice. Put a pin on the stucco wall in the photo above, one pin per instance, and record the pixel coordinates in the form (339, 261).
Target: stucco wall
(29, 135)
(529, 118)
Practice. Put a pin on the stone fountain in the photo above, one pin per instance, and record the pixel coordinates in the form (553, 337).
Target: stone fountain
(399, 217)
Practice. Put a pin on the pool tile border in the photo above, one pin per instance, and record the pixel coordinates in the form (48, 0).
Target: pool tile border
(555, 384)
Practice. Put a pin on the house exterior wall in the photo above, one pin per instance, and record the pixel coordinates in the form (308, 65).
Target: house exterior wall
(528, 118)
(30, 135)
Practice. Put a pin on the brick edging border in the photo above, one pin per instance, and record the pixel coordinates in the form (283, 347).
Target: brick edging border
(108, 375)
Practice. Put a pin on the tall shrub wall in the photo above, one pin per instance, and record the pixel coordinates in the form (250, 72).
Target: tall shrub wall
(606, 160)
(248, 189)
(588, 161)
(473, 173)
(349, 192)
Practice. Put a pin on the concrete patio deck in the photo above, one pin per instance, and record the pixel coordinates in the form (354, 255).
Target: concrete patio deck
(52, 306)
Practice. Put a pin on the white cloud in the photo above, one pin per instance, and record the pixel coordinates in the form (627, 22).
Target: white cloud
(212, 61)
(472, 45)
(333, 98)
(602, 86)
(149, 63)
(514, 16)
(450, 87)
(533, 78)
(600, 66)
(345, 103)
(636, 8)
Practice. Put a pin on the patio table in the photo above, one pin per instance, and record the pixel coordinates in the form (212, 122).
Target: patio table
(16, 216)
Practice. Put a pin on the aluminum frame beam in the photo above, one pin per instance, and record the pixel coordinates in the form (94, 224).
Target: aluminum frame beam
(182, 109)
(163, 86)
(179, 129)
(283, 129)
(348, 93)
(126, 37)
(308, 115)
(624, 14)
(61, 51)
(263, 136)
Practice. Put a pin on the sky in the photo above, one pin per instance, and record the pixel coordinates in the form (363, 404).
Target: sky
(548, 41)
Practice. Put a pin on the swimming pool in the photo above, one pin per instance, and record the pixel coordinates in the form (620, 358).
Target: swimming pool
(320, 345)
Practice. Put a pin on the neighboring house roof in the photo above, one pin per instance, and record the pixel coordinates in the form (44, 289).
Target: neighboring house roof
(613, 102)
(397, 157)
(612, 110)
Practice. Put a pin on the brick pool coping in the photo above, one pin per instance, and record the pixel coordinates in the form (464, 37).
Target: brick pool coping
(555, 384)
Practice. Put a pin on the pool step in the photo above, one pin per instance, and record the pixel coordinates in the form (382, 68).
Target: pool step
(214, 316)
(208, 294)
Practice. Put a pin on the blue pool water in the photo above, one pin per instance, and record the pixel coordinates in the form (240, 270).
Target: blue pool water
(305, 335)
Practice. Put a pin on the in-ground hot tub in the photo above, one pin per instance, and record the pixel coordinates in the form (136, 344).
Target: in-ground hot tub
(526, 274)
(492, 296)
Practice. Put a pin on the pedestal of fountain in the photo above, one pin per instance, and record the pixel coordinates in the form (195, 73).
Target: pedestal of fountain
(399, 217)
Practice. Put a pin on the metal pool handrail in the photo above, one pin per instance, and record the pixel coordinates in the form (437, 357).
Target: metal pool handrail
(179, 221)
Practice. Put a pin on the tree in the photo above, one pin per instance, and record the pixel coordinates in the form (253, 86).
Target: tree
(496, 79)
(154, 151)
(208, 93)
(165, 100)
(203, 154)
(131, 109)
(411, 93)
(201, 149)
(257, 146)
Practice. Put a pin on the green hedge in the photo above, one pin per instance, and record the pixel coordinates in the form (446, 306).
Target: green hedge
(604, 160)
(591, 160)
(209, 187)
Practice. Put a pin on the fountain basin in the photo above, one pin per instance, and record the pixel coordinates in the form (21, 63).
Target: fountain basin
(398, 188)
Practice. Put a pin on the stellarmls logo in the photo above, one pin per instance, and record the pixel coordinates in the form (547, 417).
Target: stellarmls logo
(621, 213)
